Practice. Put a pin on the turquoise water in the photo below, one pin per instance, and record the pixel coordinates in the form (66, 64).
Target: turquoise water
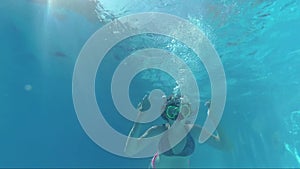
(40, 40)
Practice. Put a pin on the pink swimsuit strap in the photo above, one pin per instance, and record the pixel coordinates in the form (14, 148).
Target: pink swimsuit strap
(153, 160)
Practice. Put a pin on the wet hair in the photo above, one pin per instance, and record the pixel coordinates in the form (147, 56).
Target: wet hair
(173, 100)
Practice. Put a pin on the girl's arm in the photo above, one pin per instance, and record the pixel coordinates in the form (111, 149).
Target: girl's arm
(135, 142)
(217, 140)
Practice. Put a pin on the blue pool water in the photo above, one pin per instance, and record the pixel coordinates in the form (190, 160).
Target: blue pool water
(40, 40)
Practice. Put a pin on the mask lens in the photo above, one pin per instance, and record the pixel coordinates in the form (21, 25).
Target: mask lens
(185, 110)
(172, 112)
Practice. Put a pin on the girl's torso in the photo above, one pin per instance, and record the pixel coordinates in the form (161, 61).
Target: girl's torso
(176, 157)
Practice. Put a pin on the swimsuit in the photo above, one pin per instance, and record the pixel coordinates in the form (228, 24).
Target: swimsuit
(187, 150)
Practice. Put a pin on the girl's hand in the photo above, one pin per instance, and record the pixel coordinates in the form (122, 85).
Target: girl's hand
(144, 105)
(207, 104)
